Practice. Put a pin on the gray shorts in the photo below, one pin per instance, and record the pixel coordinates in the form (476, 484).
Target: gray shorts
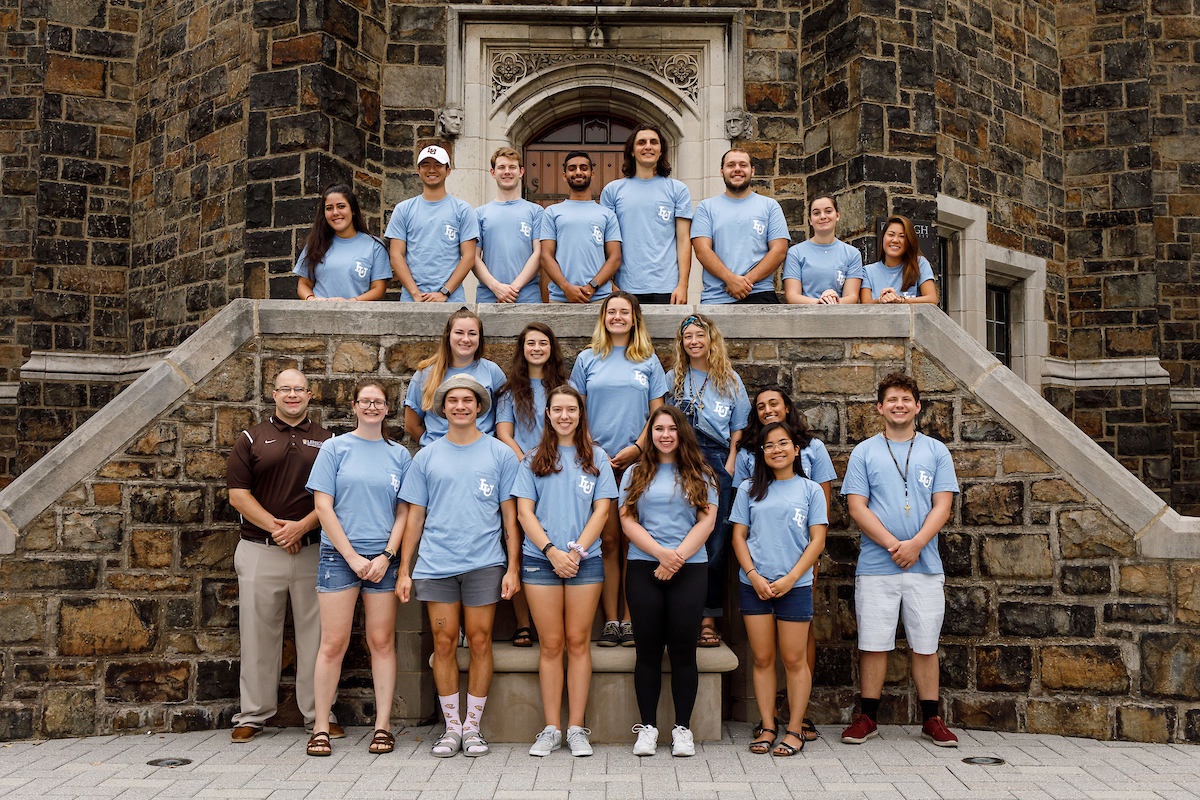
(480, 587)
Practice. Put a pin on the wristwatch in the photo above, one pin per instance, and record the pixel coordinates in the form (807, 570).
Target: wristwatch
(592, 283)
(392, 555)
(444, 290)
(546, 549)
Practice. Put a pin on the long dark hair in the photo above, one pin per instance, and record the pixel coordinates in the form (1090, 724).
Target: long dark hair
(752, 437)
(378, 384)
(320, 235)
(692, 473)
(764, 476)
(545, 457)
(629, 164)
(911, 260)
(554, 373)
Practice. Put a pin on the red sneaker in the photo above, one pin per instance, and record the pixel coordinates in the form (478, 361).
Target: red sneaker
(936, 731)
(861, 728)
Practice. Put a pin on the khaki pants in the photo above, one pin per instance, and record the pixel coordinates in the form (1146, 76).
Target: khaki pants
(267, 577)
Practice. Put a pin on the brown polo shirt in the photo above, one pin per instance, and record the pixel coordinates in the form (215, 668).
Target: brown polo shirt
(273, 460)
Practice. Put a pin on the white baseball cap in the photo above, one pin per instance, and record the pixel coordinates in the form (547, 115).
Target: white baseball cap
(436, 153)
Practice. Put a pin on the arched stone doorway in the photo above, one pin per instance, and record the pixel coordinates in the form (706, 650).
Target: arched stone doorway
(602, 136)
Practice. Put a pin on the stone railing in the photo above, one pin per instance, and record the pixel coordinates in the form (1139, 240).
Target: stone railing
(1074, 591)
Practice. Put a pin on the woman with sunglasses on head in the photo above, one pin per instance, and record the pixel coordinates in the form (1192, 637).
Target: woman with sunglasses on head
(902, 274)
(705, 387)
(564, 492)
(537, 363)
(356, 482)
(460, 352)
(779, 524)
(668, 507)
(822, 269)
(772, 404)
(341, 260)
(622, 380)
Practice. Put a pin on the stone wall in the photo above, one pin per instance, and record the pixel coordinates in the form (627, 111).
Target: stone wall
(118, 608)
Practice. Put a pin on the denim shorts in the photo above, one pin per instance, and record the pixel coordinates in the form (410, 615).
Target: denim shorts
(795, 606)
(539, 572)
(335, 575)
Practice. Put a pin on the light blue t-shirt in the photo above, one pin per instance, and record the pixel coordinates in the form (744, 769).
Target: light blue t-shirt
(507, 231)
(432, 233)
(821, 267)
(741, 233)
(818, 466)
(527, 436)
(646, 211)
(663, 510)
(364, 478)
(486, 372)
(879, 276)
(461, 488)
(721, 415)
(563, 499)
(873, 474)
(779, 526)
(349, 266)
(579, 229)
(618, 393)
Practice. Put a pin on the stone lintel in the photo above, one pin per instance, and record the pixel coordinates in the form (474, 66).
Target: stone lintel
(1181, 399)
(47, 365)
(1099, 372)
(8, 392)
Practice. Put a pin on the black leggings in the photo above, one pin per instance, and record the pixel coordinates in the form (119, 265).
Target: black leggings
(665, 614)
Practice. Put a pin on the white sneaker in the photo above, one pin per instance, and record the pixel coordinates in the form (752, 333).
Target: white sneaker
(682, 743)
(577, 740)
(647, 741)
(549, 740)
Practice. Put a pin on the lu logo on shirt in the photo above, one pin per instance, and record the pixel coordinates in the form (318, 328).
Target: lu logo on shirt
(452, 233)
(586, 485)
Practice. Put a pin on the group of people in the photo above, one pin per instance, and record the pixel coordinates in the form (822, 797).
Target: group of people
(639, 238)
(612, 488)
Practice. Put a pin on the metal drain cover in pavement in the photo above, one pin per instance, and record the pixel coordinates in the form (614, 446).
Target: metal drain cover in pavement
(984, 761)
(169, 762)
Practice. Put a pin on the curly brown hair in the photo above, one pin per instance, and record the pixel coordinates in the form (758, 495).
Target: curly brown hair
(692, 473)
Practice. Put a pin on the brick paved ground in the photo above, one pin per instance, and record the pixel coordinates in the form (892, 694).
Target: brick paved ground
(897, 765)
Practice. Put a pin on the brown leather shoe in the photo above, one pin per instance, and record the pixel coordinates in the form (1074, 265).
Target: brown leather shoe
(243, 733)
(336, 732)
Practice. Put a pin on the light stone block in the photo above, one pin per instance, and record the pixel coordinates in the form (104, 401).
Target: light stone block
(217, 339)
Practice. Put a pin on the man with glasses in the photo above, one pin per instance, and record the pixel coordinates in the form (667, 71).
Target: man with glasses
(277, 556)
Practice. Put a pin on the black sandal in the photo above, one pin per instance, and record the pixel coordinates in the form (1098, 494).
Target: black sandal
(522, 638)
(783, 749)
(762, 748)
(811, 734)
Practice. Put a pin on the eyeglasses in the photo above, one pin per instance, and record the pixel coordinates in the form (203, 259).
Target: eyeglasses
(371, 403)
(291, 389)
(771, 447)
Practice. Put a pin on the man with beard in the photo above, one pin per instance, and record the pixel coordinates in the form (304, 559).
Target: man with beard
(581, 240)
(740, 238)
(432, 236)
(510, 247)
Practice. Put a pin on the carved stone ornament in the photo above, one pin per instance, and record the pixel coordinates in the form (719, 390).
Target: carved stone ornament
(681, 70)
(737, 124)
(450, 121)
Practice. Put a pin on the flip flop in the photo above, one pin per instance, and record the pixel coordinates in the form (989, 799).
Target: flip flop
(318, 745)
(382, 742)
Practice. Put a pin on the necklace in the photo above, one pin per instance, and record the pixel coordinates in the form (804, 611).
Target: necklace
(697, 397)
(904, 474)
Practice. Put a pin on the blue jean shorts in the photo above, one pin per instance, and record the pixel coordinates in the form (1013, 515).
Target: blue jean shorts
(795, 606)
(539, 572)
(335, 575)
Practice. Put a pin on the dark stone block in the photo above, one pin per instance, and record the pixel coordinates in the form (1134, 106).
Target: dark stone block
(63, 306)
(1086, 580)
(293, 213)
(418, 24)
(953, 666)
(1003, 669)
(955, 549)
(299, 132)
(342, 21)
(259, 203)
(322, 169)
(173, 41)
(268, 13)
(162, 505)
(984, 714)
(16, 723)
(109, 226)
(67, 139)
(1191, 726)
(227, 115)
(984, 431)
(279, 89)
(1143, 440)
(834, 665)
(1136, 612)
(1128, 127)
(1171, 665)
(1094, 97)
(104, 43)
(28, 574)
(877, 80)
(18, 108)
(217, 680)
(147, 682)
(200, 121)
(1126, 60)
(61, 200)
(1041, 620)
(967, 611)
(181, 614)
(349, 143)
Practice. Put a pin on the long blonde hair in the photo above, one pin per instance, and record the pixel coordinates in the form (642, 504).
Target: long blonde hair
(640, 346)
(442, 359)
(720, 371)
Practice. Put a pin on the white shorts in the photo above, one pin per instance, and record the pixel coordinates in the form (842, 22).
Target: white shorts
(879, 601)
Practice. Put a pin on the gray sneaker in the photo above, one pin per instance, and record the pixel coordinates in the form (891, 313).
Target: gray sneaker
(627, 634)
(549, 740)
(577, 740)
(611, 637)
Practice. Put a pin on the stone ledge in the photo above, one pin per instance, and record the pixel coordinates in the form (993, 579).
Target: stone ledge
(1089, 373)
(604, 659)
(45, 365)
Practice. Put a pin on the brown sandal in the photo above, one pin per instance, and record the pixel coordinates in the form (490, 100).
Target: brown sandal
(318, 745)
(709, 637)
(382, 742)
